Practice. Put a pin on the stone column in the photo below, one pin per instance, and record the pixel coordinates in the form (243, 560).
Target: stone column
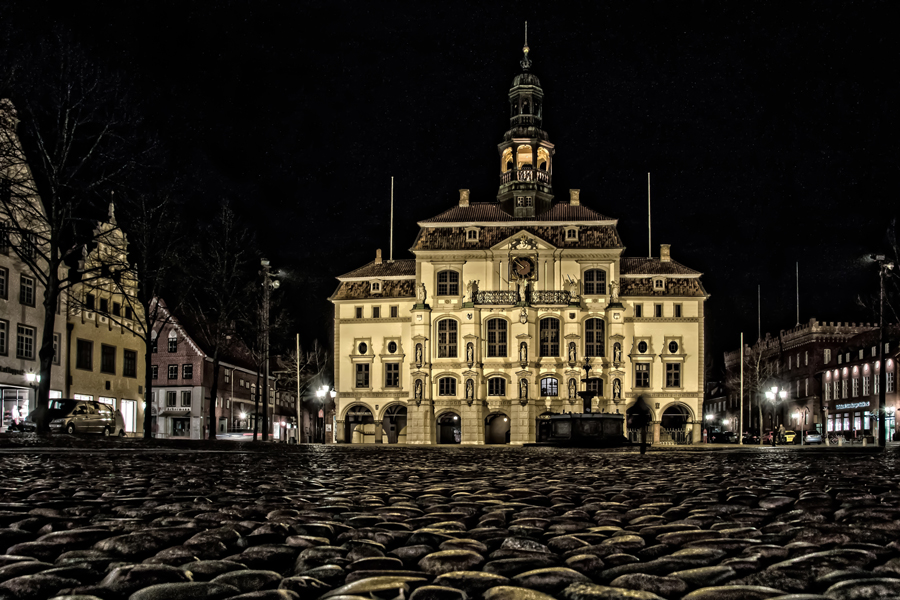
(472, 423)
(340, 433)
(420, 424)
(656, 426)
(379, 425)
(522, 425)
(697, 432)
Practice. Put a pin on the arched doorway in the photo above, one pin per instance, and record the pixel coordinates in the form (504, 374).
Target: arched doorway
(359, 425)
(496, 429)
(674, 425)
(393, 425)
(449, 428)
(544, 426)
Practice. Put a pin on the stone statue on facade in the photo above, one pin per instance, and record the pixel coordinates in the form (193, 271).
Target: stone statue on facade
(617, 389)
(471, 290)
(614, 290)
(522, 289)
(523, 352)
(572, 389)
(572, 352)
(572, 287)
(523, 389)
(617, 352)
(470, 389)
(418, 389)
(418, 355)
(470, 353)
(420, 294)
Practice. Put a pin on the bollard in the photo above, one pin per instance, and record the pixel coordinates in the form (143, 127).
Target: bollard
(841, 441)
(865, 441)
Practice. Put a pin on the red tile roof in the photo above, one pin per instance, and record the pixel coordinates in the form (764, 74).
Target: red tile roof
(654, 266)
(398, 268)
(490, 212)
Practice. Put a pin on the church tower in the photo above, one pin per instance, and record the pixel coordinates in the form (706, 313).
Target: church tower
(526, 154)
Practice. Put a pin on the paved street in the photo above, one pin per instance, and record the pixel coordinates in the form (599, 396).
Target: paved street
(448, 523)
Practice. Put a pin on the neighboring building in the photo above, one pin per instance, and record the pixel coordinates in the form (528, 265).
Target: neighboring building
(488, 329)
(21, 290)
(791, 362)
(106, 351)
(850, 385)
(182, 377)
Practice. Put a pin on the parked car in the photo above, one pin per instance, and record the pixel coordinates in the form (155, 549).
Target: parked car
(812, 437)
(85, 416)
(751, 437)
(723, 437)
(789, 437)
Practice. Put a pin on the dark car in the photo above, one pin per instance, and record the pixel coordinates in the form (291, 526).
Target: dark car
(751, 437)
(85, 416)
(723, 437)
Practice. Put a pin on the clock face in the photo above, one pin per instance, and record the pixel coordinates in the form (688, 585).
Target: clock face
(522, 267)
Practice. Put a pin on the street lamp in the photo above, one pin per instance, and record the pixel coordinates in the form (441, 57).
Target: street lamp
(796, 417)
(883, 267)
(269, 284)
(772, 395)
(320, 393)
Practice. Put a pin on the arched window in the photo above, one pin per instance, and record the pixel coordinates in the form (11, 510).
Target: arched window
(448, 283)
(447, 329)
(593, 338)
(594, 282)
(506, 161)
(496, 386)
(496, 338)
(543, 158)
(524, 157)
(446, 386)
(549, 337)
(549, 386)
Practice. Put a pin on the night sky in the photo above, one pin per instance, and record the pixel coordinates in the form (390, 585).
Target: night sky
(770, 132)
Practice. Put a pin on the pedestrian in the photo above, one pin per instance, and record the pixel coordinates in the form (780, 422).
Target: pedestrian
(689, 436)
(781, 433)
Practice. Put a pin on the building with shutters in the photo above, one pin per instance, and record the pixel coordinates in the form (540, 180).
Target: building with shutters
(490, 327)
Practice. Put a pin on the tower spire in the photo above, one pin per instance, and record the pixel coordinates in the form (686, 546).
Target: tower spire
(525, 62)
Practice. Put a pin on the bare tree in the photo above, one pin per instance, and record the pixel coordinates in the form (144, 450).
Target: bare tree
(221, 291)
(760, 374)
(78, 128)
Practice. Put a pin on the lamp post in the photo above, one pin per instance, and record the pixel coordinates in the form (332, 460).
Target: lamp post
(269, 284)
(772, 395)
(34, 382)
(883, 267)
(796, 416)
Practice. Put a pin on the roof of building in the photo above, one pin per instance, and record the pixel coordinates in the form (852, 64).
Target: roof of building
(490, 212)
(454, 238)
(397, 268)
(359, 290)
(673, 287)
(236, 353)
(653, 266)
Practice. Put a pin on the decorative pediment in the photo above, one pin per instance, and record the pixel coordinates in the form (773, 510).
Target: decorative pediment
(523, 241)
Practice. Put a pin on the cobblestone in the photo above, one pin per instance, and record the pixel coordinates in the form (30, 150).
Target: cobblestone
(134, 520)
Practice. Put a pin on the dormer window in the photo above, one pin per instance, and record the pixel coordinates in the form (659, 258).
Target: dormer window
(524, 202)
(472, 234)
(571, 234)
(659, 284)
(375, 287)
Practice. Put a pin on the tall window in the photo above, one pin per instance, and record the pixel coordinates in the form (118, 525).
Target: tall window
(154, 346)
(549, 386)
(673, 374)
(447, 329)
(4, 282)
(866, 385)
(362, 375)
(855, 387)
(448, 283)
(496, 386)
(593, 338)
(89, 302)
(26, 290)
(595, 282)
(187, 371)
(447, 386)
(549, 337)
(4, 337)
(25, 337)
(392, 374)
(496, 334)
(642, 375)
(638, 310)
(173, 371)
(107, 359)
(84, 353)
(186, 398)
(173, 344)
(154, 371)
(170, 398)
(57, 342)
(827, 388)
(890, 382)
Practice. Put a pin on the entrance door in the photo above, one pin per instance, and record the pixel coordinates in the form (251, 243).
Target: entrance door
(889, 424)
(393, 425)
(449, 429)
(496, 429)
(129, 412)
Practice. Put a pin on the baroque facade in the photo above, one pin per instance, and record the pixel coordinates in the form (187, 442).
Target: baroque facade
(491, 326)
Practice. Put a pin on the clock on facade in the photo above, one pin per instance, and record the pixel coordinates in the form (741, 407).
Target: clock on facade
(522, 267)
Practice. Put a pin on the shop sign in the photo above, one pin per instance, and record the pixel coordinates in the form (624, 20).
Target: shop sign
(12, 371)
(851, 406)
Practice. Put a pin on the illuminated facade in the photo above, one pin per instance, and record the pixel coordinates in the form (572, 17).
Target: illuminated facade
(490, 327)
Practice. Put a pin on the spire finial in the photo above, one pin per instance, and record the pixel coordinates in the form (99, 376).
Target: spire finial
(525, 62)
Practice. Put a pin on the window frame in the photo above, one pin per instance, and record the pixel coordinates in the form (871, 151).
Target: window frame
(172, 344)
(450, 287)
(154, 371)
(172, 372)
(658, 310)
(447, 386)
(594, 285)
(4, 283)
(376, 312)
(549, 337)
(4, 337)
(642, 375)
(549, 387)
(497, 328)
(27, 288)
(187, 371)
(107, 359)
(392, 374)
(673, 375)
(590, 335)
(186, 398)
(448, 339)
(496, 386)
(363, 375)
(638, 311)
(82, 346)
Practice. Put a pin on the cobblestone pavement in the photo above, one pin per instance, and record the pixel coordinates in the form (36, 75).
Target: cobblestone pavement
(347, 523)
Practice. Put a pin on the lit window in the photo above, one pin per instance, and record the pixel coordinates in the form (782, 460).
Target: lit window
(549, 386)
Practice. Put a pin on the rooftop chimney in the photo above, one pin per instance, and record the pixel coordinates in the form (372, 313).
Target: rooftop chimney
(574, 199)
(665, 254)
(463, 197)
(378, 256)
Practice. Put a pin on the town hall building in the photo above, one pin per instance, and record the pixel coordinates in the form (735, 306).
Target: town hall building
(489, 329)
